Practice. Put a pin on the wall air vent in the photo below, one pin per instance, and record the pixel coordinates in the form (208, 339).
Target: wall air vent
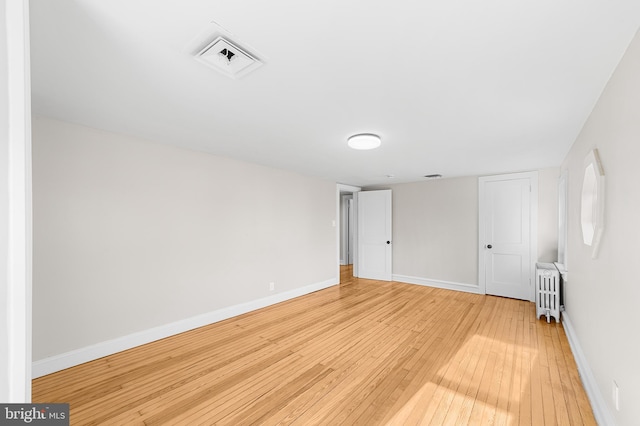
(227, 58)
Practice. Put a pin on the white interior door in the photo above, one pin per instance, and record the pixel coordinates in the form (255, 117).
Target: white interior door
(374, 235)
(507, 239)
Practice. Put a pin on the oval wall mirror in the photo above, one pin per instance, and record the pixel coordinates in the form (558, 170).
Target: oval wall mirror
(592, 202)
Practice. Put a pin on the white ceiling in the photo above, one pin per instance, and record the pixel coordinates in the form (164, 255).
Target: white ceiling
(457, 87)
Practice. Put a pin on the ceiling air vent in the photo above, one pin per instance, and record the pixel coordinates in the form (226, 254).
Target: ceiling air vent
(224, 56)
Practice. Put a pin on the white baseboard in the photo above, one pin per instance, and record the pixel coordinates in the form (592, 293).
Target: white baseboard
(447, 285)
(600, 409)
(102, 349)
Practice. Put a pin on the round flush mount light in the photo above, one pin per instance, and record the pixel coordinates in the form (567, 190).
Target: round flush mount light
(364, 141)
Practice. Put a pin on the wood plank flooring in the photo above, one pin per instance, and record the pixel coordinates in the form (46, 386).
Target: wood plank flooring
(362, 353)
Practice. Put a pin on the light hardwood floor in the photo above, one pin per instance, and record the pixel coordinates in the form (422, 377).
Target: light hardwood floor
(365, 352)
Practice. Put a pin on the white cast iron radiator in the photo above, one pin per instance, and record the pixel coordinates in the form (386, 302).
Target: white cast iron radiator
(547, 291)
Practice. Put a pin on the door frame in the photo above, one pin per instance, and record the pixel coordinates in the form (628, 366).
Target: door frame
(17, 206)
(533, 227)
(340, 190)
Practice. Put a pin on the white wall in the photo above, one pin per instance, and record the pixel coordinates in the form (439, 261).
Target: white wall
(435, 227)
(603, 294)
(130, 235)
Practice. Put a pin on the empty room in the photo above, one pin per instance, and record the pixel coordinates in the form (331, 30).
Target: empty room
(358, 213)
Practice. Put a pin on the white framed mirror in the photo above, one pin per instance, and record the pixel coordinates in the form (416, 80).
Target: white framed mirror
(592, 202)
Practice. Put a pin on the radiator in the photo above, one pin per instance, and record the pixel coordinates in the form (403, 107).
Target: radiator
(547, 291)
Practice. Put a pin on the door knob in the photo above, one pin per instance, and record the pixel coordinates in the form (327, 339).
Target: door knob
(388, 242)
(489, 246)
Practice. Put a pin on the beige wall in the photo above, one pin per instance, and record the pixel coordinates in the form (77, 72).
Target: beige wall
(130, 235)
(435, 227)
(548, 214)
(435, 230)
(602, 295)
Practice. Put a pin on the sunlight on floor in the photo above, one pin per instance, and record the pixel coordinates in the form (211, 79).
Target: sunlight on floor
(483, 382)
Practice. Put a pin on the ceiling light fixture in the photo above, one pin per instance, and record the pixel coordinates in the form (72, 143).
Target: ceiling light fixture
(364, 141)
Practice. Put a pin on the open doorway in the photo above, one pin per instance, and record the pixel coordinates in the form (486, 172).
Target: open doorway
(346, 232)
(346, 236)
(346, 229)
